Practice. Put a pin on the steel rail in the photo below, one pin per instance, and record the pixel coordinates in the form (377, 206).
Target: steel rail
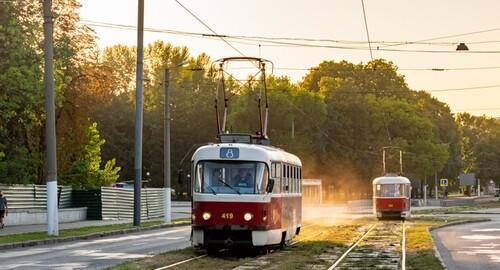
(339, 260)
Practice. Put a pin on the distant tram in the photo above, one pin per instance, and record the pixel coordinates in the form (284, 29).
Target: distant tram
(245, 194)
(391, 196)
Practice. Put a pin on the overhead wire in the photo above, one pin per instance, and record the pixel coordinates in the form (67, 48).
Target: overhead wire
(367, 32)
(269, 41)
(209, 28)
(465, 88)
(449, 36)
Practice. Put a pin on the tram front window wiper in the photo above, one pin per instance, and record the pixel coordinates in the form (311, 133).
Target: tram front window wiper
(211, 189)
(229, 186)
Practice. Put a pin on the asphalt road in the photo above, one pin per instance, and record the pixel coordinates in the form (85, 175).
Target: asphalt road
(471, 246)
(98, 253)
(107, 251)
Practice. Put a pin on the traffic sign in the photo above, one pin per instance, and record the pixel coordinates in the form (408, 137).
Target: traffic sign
(443, 182)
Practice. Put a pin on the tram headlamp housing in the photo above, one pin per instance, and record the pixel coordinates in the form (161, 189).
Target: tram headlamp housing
(247, 216)
(206, 216)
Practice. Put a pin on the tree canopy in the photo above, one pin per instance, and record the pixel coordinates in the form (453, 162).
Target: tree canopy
(337, 119)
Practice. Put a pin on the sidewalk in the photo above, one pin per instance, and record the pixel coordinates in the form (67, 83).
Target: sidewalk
(179, 210)
(63, 226)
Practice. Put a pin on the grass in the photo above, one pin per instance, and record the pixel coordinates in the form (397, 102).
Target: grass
(22, 237)
(316, 251)
(419, 244)
(335, 238)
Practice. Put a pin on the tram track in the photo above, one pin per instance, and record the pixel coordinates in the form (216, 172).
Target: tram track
(292, 243)
(382, 246)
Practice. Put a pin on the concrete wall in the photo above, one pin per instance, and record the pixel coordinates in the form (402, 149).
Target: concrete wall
(39, 216)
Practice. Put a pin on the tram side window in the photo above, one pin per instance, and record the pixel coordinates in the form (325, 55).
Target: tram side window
(286, 174)
(276, 175)
(295, 180)
(300, 180)
(294, 175)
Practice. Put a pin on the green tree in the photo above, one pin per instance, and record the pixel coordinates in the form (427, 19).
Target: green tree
(21, 91)
(86, 172)
(480, 145)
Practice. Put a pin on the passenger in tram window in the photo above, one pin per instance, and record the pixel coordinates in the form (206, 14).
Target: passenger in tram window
(243, 178)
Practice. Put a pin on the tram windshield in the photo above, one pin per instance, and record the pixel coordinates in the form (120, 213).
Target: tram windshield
(391, 190)
(231, 177)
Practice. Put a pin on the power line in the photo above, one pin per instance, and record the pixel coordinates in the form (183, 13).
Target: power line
(367, 32)
(465, 88)
(209, 28)
(307, 45)
(449, 36)
(267, 41)
(477, 109)
(399, 69)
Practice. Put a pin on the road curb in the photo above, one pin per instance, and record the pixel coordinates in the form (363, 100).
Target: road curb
(477, 213)
(458, 223)
(86, 237)
(431, 229)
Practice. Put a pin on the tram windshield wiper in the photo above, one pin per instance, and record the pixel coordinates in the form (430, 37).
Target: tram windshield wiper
(229, 186)
(211, 189)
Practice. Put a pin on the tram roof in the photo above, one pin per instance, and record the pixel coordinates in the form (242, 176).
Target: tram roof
(247, 152)
(385, 180)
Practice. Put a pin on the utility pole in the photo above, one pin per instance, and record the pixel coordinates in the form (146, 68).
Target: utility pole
(166, 150)
(138, 116)
(479, 187)
(436, 184)
(425, 191)
(50, 124)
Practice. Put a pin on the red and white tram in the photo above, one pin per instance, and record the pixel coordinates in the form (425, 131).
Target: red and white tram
(391, 196)
(245, 194)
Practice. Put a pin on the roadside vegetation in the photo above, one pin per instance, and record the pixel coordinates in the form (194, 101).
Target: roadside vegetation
(320, 244)
(34, 236)
(420, 251)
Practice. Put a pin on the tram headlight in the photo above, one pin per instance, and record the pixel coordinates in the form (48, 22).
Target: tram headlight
(193, 216)
(247, 216)
(206, 216)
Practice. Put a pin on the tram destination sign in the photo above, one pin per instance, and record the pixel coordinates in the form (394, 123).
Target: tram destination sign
(229, 153)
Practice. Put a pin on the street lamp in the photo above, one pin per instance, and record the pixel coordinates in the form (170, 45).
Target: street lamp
(462, 47)
(167, 217)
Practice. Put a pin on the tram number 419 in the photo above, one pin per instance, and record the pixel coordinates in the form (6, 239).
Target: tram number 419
(227, 216)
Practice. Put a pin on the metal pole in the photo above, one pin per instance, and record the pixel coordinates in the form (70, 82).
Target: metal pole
(479, 187)
(50, 126)
(436, 184)
(425, 191)
(138, 116)
(166, 150)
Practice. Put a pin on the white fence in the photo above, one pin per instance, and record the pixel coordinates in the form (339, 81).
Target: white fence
(34, 196)
(118, 203)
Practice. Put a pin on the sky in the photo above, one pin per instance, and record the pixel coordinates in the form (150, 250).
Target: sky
(388, 20)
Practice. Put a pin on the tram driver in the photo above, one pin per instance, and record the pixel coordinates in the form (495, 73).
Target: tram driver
(243, 179)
